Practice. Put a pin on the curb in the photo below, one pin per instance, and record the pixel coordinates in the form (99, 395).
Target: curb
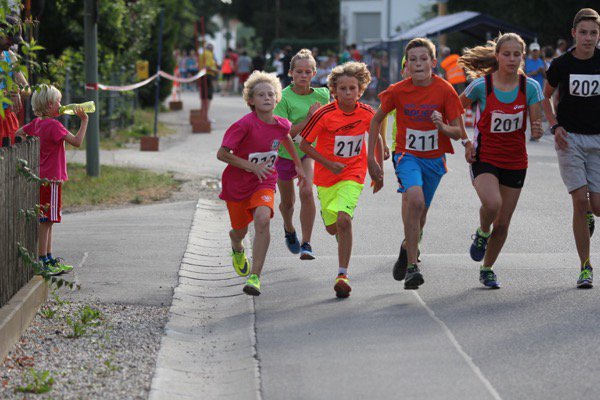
(17, 314)
(208, 350)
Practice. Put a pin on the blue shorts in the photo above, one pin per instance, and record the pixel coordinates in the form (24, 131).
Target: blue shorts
(424, 172)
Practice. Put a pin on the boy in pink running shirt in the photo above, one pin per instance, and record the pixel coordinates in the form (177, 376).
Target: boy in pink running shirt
(250, 148)
(53, 166)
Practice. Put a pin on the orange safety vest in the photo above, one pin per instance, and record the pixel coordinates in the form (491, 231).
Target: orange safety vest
(454, 73)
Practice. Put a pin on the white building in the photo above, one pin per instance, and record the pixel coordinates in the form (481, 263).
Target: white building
(368, 21)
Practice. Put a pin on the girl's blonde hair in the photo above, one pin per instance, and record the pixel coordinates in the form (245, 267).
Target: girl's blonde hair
(481, 60)
(353, 69)
(260, 77)
(43, 96)
(304, 54)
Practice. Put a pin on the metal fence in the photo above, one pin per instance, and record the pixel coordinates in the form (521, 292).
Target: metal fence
(16, 193)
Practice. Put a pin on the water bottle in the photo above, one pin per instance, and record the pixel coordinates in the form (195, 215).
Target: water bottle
(89, 107)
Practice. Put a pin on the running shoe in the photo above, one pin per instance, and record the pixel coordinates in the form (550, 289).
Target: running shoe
(489, 279)
(291, 241)
(401, 264)
(591, 221)
(478, 246)
(59, 262)
(586, 277)
(51, 270)
(240, 262)
(252, 287)
(399, 271)
(306, 252)
(414, 278)
(342, 286)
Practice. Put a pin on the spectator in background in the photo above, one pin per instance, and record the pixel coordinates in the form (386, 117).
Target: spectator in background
(561, 48)
(227, 74)
(191, 66)
(205, 83)
(453, 72)
(355, 53)
(286, 60)
(244, 66)
(345, 56)
(258, 62)
(547, 55)
(535, 67)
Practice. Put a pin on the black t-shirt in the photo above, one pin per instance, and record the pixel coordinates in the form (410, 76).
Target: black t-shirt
(578, 84)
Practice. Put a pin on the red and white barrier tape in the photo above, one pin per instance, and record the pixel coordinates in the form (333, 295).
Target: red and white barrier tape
(100, 86)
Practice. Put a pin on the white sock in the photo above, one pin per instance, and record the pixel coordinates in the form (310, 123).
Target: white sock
(342, 270)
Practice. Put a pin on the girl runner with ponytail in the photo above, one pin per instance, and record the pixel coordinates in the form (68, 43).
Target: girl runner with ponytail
(505, 97)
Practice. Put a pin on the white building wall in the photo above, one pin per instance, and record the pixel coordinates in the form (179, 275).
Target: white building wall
(394, 14)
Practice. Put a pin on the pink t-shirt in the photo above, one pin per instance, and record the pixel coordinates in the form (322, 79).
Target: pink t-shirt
(53, 161)
(251, 139)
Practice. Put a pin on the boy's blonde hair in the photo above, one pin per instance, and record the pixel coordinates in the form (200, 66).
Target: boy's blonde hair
(304, 54)
(43, 96)
(260, 77)
(354, 69)
(421, 42)
(481, 60)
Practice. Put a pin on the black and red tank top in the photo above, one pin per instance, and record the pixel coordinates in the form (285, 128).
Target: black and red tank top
(500, 130)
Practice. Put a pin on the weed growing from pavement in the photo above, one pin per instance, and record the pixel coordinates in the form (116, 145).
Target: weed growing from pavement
(84, 319)
(37, 382)
(47, 312)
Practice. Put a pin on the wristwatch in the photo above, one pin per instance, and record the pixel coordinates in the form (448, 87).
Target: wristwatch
(553, 128)
(465, 141)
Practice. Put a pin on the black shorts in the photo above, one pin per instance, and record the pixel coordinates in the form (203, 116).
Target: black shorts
(512, 178)
(206, 87)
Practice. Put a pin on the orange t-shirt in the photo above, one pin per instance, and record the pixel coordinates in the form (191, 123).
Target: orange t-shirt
(416, 133)
(340, 138)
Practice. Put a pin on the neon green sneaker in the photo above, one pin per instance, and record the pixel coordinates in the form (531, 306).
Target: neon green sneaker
(240, 262)
(59, 263)
(585, 277)
(51, 269)
(252, 287)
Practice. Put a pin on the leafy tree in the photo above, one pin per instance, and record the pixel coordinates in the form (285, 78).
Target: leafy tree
(296, 19)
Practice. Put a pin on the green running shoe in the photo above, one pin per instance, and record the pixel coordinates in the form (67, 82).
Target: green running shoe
(585, 278)
(252, 286)
(51, 270)
(591, 221)
(240, 262)
(59, 263)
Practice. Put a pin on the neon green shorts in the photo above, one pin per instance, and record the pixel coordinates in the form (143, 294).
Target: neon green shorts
(343, 196)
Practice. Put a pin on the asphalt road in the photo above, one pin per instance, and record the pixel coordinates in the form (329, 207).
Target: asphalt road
(535, 338)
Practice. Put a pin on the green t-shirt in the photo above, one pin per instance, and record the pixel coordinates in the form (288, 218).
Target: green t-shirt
(294, 107)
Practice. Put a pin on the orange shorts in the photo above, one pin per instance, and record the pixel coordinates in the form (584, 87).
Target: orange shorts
(241, 212)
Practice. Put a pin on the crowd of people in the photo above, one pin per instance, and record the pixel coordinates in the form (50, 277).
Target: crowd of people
(339, 142)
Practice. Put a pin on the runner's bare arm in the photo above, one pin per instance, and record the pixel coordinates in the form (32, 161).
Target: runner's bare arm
(260, 170)
(454, 130)
(560, 135)
(535, 117)
(375, 169)
(288, 144)
(296, 129)
(333, 166)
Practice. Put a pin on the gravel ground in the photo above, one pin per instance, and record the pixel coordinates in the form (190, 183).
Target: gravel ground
(114, 359)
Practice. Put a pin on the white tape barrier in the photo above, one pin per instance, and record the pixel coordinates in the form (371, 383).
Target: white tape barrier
(100, 86)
